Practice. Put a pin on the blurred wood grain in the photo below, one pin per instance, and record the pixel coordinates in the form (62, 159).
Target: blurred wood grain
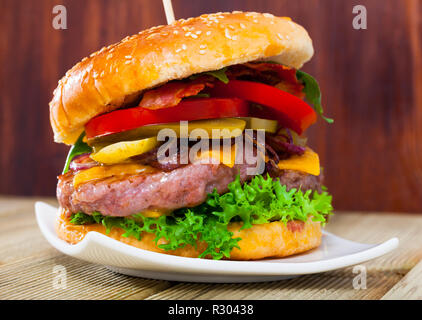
(371, 81)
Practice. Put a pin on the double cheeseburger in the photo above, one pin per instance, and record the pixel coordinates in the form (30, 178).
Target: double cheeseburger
(236, 73)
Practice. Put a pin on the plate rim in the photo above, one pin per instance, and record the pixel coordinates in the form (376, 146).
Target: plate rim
(223, 267)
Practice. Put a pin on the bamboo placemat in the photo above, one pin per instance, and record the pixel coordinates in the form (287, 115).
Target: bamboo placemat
(28, 262)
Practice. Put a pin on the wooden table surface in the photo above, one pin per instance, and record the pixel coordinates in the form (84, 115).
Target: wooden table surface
(27, 263)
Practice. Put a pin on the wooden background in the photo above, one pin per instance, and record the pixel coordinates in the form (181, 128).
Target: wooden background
(371, 81)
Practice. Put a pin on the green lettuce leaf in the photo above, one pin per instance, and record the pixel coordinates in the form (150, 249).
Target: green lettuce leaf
(77, 149)
(312, 92)
(260, 201)
(219, 74)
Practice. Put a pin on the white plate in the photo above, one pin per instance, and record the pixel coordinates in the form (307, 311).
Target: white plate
(333, 253)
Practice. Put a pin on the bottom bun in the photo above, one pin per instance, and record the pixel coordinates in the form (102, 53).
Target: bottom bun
(269, 240)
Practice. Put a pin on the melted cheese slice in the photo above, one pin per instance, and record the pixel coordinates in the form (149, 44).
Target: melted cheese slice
(156, 213)
(308, 162)
(218, 156)
(102, 172)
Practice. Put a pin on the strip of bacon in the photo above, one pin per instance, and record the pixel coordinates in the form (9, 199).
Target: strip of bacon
(170, 94)
(286, 75)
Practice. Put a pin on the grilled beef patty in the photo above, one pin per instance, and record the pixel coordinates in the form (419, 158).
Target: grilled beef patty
(187, 186)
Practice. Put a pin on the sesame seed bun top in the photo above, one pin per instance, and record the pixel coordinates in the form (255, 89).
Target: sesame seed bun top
(120, 72)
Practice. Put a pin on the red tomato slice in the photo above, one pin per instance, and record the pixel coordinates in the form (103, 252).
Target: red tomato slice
(284, 107)
(186, 110)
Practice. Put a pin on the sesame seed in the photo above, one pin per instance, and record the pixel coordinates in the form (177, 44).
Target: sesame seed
(184, 47)
(242, 26)
(255, 20)
(208, 33)
(176, 32)
(202, 46)
(226, 33)
(187, 34)
(202, 51)
(198, 32)
(194, 36)
(109, 56)
(128, 57)
(231, 27)
(268, 15)
(128, 61)
(280, 36)
(178, 50)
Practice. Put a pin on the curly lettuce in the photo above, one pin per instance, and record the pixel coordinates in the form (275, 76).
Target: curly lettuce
(260, 201)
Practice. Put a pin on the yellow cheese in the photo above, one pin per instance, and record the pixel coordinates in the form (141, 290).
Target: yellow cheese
(308, 162)
(155, 213)
(102, 172)
(218, 156)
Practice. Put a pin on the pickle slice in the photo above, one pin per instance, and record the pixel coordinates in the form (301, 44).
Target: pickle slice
(120, 151)
(230, 128)
(270, 126)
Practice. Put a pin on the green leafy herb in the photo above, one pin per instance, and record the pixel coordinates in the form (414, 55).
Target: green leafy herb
(260, 201)
(313, 92)
(219, 74)
(200, 95)
(78, 148)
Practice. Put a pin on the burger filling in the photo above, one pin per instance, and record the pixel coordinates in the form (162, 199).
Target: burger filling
(117, 175)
